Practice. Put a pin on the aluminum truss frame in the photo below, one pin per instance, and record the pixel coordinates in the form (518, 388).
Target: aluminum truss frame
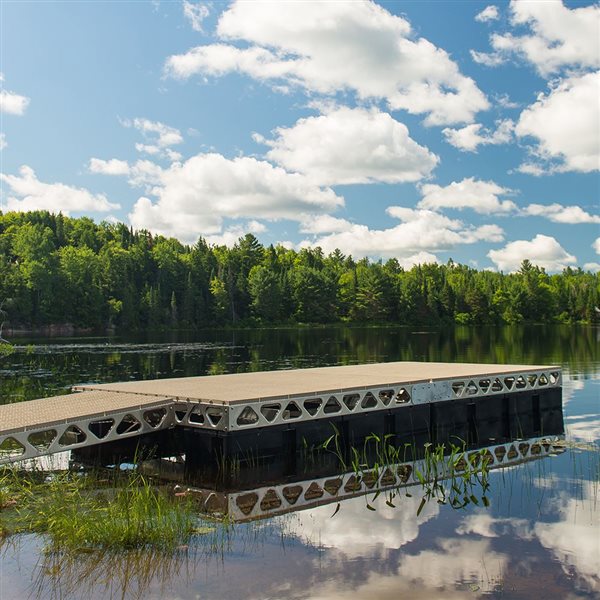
(299, 409)
(86, 431)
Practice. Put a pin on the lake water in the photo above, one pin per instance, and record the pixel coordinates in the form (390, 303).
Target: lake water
(538, 538)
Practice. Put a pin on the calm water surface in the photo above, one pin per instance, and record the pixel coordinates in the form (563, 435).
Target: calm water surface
(539, 537)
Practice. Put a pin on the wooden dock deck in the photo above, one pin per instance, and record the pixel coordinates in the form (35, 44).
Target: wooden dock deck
(99, 413)
(23, 416)
(271, 385)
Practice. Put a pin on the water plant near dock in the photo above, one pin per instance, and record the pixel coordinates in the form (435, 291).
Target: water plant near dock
(449, 474)
(77, 514)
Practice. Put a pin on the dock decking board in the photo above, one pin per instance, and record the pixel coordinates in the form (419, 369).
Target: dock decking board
(271, 385)
(21, 416)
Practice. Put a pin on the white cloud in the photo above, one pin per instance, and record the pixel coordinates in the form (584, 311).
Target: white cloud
(560, 37)
(574, 537)
(147, 148)
(418, 258)
(318, 224)
(596, 245)
(586, 429)
(468, 138)
(195, 13)
(167, 136)
(420, 574)
(146, 174)
(572, 534)
(159, 136)
(195, 197)
(255, 227)
(489, 13)
(10, 102)
(594, 267)
(561, 214)
(158, 151)
(27, 193)
(456, 560)
(481, 196)
(485, 525)
(287, 244)
(421, 231)
(543, 251)
(328, 47)
(532, 168)
(114, 166)
(566, 122)
(356, 531)
(572, 385)
(231, 235)
(142, 173)
(504, 101)
(3, 142)
(488, 59)
(348, 146)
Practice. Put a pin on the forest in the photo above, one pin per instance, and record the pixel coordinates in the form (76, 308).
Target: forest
(56, 269)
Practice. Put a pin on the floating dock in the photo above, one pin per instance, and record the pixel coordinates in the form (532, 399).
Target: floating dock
(247, 402)
(252, 483)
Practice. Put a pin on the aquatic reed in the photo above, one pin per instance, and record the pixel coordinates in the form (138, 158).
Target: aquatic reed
(75, 513)
(449, 474)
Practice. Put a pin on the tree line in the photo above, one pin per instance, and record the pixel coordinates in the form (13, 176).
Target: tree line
(56, 269)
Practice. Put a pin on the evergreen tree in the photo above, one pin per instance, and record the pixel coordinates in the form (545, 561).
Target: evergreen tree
(57, 269)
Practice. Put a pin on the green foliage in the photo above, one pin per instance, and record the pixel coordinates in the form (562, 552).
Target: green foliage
(56, 269)
(265, 287)
(314, 295)
(76, 515)
(220, 299)
(6, 350)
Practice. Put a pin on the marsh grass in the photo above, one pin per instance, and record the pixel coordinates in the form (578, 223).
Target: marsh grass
(5, 492)
(81, 512)
(447, 474)
(454, 476)
(9, 498)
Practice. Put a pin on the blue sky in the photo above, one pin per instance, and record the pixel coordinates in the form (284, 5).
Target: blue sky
(417, 130)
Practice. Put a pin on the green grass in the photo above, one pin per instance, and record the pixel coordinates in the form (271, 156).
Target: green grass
(76, 515)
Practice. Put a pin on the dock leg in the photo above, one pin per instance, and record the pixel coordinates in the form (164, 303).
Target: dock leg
(289, 448)
(506, 418)
(536, 414)
(472, 423)
(433, 424)
(389, 429)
